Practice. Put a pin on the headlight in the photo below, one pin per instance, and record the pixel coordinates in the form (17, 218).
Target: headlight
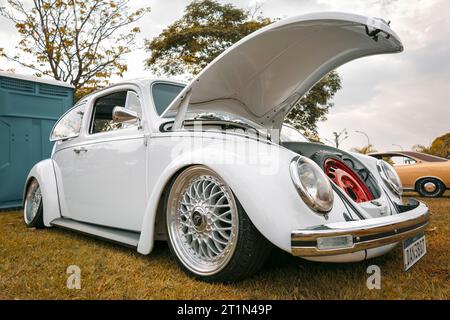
(390, 177)
(312, 184)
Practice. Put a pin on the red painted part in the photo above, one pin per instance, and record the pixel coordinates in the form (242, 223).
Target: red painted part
(346, 179)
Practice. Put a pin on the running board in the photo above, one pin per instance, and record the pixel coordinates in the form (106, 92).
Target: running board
(127, 238)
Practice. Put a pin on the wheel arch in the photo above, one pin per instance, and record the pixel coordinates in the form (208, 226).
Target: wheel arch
(159, 220)
(156, 203)
(416, 183)
(275, 212)
(44, 173)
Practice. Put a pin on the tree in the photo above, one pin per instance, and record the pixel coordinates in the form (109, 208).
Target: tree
(421, 148)
(365, 150)
(73, 40)
(314, 106)
(338, 138)
(206, 29)
(440, 147)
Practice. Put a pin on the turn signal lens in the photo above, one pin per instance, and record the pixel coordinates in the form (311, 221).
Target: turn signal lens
(337, 242)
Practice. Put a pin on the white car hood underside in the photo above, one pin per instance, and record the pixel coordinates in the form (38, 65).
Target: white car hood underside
(262, 76)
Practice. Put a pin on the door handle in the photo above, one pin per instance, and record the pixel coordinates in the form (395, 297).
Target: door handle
(78, 150)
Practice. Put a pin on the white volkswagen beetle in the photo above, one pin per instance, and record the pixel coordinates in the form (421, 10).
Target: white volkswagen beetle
(204, 166)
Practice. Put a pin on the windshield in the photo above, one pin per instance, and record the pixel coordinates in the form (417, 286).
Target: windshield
(163, 94)
(290, 134)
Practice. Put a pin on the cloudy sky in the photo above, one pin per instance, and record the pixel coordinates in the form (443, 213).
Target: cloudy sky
(400, 99)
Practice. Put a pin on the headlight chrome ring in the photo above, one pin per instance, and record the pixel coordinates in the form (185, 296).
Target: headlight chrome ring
(312, 184)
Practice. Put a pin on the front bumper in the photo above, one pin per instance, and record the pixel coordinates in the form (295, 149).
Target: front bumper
(353, 236)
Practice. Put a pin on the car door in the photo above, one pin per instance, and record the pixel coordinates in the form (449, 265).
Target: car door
(102, 178)
(406, 168)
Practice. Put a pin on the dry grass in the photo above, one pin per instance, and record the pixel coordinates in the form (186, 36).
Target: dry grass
(33, 266)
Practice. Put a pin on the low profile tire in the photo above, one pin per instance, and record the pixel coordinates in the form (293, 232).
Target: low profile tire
(210, 235)
(33, 212)
(430, 188)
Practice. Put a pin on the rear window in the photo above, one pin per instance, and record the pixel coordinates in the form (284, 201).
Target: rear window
(163, 94)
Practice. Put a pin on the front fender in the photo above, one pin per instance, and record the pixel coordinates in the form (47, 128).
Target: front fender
(44, 173)
(261, 182)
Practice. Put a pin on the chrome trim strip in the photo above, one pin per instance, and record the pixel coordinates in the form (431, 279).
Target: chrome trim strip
(370, 233)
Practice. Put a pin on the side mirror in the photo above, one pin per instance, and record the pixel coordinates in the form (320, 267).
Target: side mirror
(121, 114)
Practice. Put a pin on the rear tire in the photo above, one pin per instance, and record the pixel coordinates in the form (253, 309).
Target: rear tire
(209, 233)
(430, 188)
(33, 210)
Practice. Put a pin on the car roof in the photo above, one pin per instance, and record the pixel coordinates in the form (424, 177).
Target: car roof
(412, 154)
(143, 81)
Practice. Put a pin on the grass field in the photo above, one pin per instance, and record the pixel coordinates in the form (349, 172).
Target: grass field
(33, 265)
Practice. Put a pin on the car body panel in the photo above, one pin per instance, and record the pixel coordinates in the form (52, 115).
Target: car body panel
(262, 76)
(44, 173)
(266, 167)
(93, 181)
(426, 166)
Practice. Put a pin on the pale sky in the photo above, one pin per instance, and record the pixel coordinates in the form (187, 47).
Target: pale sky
(400, 99)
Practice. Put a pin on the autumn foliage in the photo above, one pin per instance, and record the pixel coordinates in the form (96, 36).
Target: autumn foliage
(440, 147)
(208, 28)
(73, 40)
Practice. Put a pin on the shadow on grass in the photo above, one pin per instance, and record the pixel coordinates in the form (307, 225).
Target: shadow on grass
(278, 260)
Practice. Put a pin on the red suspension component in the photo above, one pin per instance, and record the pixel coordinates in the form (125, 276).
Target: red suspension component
(346, 179)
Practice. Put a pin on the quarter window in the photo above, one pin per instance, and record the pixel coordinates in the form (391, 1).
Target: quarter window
(69, 125)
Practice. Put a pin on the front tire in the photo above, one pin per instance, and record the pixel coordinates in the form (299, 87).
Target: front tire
(430, 188)
(33, 211)
(210, 235)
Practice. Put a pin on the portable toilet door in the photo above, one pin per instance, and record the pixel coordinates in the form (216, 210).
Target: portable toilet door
(29, 107)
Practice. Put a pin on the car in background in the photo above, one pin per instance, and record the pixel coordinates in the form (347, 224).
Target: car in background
(428, 175)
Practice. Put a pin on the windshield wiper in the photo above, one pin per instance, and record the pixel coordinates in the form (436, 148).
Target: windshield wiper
(209, 116)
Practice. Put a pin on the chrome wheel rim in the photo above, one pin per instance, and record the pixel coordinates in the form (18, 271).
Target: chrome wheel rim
(202, 221)
(32, 201)
(430, 187)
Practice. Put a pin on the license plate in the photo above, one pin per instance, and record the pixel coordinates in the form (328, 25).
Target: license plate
(413, 250)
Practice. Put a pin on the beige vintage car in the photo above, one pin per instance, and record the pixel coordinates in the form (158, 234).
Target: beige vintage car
(429, 175)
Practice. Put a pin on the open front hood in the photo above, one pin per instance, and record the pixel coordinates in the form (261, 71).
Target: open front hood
(262, 76)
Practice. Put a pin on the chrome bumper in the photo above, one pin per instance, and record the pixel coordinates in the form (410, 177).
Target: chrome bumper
(365, 234)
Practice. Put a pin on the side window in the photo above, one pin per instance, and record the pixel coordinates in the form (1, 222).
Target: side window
(400, 160)
(102, 115)
(163, 94)
(69, 125)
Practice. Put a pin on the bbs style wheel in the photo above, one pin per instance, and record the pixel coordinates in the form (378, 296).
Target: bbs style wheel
(430, 188)
(210, 235)
(33, 209)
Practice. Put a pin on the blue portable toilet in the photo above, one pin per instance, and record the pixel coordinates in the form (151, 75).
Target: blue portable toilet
(29, 107)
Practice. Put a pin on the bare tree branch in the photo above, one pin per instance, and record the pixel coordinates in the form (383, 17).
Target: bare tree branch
(73, 40)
